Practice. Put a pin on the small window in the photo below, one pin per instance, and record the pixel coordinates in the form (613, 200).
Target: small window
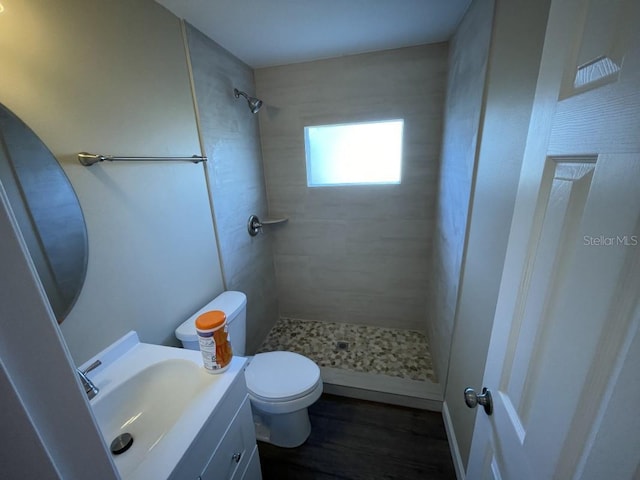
(354, 153)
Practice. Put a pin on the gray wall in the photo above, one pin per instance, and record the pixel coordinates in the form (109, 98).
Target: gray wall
(22, 454)
(514, 59)
(468, 54)
(236, 179)
(46, 422)
(121, 90)
(358, 254)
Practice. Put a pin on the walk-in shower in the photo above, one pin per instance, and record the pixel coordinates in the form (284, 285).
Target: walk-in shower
(389, 360)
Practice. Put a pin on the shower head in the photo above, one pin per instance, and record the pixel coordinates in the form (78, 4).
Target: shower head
(254, 103)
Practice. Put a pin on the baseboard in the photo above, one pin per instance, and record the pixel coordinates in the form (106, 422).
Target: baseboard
(453, 443)
(383, 388)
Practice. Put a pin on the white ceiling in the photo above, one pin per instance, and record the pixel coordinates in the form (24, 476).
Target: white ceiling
(276, 32)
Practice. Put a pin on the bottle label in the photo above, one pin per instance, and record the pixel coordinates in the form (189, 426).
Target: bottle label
(208, 348)
(216, 355)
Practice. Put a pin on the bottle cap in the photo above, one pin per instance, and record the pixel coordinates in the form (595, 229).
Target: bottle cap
(209, 320)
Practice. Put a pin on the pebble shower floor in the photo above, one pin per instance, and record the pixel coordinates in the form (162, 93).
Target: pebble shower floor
(360, 348)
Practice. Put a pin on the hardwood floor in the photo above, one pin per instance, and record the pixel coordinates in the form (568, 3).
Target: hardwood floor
(356, 439)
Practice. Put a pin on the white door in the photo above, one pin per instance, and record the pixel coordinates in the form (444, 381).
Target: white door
(564, 360)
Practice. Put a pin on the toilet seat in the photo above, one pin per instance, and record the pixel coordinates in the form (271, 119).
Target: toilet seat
(281, 376)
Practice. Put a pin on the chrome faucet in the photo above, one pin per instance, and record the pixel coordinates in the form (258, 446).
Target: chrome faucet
(88, 385)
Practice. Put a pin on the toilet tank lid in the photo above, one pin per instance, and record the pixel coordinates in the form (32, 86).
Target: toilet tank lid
(229, 302)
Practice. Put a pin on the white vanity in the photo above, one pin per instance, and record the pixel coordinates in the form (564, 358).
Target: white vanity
(231, 429)
(185, 423)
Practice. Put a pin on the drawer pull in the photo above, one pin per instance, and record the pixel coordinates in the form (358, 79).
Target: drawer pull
(237, 456)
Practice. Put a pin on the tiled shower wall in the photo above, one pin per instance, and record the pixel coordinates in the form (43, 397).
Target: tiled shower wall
(231, 137)
(356, 254)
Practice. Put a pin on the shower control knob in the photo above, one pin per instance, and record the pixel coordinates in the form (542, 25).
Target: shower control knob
(472, 399)
(254, 225)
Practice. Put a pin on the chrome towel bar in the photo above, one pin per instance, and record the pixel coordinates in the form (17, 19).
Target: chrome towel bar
(88, 159)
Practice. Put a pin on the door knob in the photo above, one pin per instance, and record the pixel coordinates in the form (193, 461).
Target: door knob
(472, 399)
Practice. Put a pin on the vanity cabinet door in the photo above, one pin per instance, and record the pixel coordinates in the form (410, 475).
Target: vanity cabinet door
(199, 454)
(235, 451)
(252, 472)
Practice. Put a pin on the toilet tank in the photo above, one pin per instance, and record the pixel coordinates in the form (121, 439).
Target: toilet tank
(234, 306)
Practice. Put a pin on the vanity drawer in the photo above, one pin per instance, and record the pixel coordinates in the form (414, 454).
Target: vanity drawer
(236, 448)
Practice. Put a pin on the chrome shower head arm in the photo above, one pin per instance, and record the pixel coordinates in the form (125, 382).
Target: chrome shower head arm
(237, 93)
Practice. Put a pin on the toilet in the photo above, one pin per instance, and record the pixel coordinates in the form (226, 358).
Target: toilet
(281, 385)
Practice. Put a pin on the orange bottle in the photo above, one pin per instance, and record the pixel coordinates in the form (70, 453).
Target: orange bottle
(213, 338)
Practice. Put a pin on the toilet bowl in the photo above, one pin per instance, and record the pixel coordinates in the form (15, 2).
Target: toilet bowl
(281, 385)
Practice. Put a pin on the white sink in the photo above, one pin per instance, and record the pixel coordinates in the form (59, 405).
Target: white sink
(161, 396)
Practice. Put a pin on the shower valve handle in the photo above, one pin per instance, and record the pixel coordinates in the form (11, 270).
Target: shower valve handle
(254, 226)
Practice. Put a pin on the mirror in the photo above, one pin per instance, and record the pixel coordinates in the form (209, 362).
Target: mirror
(47, 210)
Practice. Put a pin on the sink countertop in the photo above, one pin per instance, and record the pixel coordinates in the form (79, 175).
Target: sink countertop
(128, 357)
